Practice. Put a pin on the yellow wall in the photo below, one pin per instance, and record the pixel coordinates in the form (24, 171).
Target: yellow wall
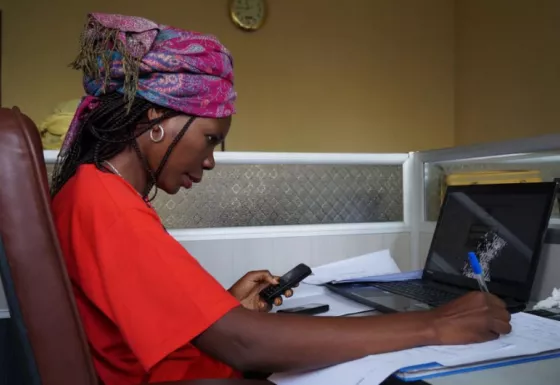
(323, 75)
(507, 69)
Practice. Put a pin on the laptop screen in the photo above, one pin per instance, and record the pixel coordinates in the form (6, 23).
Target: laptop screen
(503, 224)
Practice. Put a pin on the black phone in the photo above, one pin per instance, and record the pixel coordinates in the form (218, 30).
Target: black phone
(287, 281)
(309, 309)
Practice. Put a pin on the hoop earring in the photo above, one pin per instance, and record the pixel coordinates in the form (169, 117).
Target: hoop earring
(160, 138)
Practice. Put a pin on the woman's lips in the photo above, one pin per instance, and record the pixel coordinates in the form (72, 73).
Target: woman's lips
(187, 180)
(194, 179)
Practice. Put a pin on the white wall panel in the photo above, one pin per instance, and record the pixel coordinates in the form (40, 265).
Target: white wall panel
(229, 259)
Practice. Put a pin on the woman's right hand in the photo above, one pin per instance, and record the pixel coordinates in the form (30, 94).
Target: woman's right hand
(474, 317)
(254, 341)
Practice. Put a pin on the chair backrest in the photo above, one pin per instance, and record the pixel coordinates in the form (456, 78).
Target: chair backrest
(34, 276)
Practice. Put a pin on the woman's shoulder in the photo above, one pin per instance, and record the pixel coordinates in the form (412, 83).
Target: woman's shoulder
(91, 190)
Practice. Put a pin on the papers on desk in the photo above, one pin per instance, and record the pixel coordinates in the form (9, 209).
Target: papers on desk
(338, 306)
(531, 335)
(368, 265)
(405, 276)
(423, 372)
(373, 266)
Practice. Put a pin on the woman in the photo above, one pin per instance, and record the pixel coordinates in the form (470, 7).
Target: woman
(159, 100)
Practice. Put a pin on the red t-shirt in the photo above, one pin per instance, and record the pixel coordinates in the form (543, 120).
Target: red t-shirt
(141, 296)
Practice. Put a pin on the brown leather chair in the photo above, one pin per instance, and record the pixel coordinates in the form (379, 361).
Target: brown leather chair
(34, 277)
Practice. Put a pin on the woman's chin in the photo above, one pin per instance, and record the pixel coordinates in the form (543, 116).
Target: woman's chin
(170, 189)
(173, 188)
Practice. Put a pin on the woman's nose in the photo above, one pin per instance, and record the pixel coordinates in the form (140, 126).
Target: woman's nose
(209, 162)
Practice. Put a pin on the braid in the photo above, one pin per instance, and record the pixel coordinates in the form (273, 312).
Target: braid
(105, 132)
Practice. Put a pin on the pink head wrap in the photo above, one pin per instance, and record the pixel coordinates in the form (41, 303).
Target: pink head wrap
(184, 71)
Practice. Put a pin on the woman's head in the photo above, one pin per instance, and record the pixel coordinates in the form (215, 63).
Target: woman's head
(163, 93)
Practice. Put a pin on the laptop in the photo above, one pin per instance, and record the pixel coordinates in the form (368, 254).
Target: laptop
(504, 224)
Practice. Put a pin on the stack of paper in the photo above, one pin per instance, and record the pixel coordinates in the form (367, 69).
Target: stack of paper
(531, 335)
(405, 276)
(376, 264)
(306, 294)
(425, 371)
(368, 265)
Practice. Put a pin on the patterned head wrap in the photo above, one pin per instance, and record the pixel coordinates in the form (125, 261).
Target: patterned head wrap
(184, 71)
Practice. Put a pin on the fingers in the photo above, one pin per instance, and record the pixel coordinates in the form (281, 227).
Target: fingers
(500, 323)
(263, 276)
(277, 301)
(264, 307)
(489, 299)
(501, 327)
(502, 314)
(487, 336)
(271, 279)
(495, 301)
(288, 293)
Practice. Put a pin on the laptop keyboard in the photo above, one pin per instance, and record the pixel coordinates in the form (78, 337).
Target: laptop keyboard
(419, 291)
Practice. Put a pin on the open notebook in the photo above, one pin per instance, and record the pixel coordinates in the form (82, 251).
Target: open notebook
(532, 338)
(427, 371)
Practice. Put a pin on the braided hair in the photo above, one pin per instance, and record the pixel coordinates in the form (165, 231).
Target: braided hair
(106, 131)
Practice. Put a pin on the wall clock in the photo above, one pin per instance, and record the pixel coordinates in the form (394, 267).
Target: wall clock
(249, 15)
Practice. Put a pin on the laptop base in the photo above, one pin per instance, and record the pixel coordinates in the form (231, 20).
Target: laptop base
(387, 302)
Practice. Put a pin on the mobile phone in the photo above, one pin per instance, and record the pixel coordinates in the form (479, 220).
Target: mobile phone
(309, 309)
(287, 281)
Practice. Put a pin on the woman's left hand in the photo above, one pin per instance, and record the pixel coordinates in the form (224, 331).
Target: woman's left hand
(247, 290)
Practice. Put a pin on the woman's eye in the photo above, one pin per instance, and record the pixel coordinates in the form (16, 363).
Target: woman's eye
(213, 140)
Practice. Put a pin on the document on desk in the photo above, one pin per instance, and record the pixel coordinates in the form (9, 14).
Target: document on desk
(377, 263)
(371, 370)
(530, 335)
(338, 306)
(404, 276)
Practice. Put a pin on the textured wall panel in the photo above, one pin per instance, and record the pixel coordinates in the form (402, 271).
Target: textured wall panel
(268, 195)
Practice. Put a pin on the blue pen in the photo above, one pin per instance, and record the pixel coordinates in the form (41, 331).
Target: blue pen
(477, 270)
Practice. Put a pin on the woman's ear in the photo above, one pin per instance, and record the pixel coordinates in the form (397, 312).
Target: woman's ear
(154, 114)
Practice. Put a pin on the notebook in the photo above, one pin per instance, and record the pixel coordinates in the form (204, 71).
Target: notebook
(427, 371)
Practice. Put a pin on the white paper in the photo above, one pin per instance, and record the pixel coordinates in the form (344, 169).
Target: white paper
(551, 302)
(370, 370)
(308, 294)
(377, 263)
(306, 290)
(349, 373)
(530, 335)
(406, 276)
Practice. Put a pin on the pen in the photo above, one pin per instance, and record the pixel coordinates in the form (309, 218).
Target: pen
(477, 270)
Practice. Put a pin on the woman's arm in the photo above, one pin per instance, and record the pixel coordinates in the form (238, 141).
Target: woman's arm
(252, 341)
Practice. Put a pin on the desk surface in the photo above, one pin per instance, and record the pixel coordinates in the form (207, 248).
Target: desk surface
(546, 372)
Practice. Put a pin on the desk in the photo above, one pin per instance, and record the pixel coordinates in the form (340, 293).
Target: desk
(545, 372)
(538, 373)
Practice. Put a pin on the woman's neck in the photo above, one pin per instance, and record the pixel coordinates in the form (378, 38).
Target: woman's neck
(130, 168)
